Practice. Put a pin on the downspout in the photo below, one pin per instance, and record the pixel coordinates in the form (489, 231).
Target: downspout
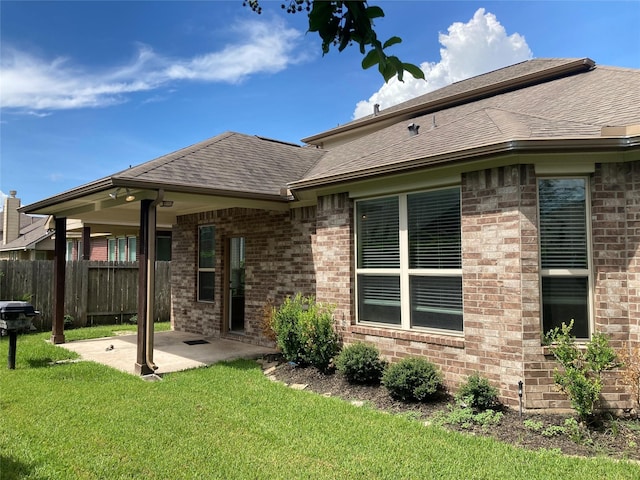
(151, 278)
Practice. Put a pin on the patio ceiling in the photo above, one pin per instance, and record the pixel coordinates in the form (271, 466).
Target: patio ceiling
(95, 208)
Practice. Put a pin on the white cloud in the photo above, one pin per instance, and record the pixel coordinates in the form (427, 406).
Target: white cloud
(478, 46)
(32, 84)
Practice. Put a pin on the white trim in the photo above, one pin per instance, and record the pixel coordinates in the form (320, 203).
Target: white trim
(403, 272)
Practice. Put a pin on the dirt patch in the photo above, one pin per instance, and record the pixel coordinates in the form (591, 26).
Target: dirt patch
(611, 436)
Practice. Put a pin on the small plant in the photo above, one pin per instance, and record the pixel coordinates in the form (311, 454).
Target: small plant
(305, 332)
(133, 320)
(466, 418)
(477, 393)
(576, 432)
(630, 372)
(412, 379)
(553, 431)
(580, 378)
(533, 425)
(266, 322)
(361, 363)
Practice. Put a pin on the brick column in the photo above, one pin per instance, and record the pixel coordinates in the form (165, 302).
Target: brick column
(334, 256)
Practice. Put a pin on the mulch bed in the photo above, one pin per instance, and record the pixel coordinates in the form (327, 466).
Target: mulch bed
(612, 437)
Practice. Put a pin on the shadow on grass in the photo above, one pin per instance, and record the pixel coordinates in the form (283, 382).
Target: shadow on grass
(40, 362)
(12, 469)
(240, 364)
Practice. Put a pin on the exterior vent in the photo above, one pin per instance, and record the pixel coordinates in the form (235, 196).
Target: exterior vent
(413, 129)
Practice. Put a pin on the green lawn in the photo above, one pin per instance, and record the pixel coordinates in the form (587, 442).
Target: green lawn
(84, 420)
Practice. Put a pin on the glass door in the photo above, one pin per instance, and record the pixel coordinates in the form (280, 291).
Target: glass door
(236, 284)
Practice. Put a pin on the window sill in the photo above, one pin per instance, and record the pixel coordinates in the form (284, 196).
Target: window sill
(452, 340)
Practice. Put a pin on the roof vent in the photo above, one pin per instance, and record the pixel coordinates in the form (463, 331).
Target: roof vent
(413, 129)
(376, 109)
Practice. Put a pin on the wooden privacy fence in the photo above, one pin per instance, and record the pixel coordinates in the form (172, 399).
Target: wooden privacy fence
(95, 292)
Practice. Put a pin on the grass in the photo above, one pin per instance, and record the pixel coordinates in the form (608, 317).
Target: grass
(87, 421)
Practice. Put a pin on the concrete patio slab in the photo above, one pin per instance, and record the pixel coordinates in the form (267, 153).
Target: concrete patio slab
(170, 353)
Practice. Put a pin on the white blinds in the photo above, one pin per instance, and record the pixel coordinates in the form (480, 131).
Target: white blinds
(378, 233)
(563, 227)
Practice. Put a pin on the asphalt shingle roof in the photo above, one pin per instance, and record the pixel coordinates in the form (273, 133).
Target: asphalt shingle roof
(30, 234)
(230, 162)
(575, 106)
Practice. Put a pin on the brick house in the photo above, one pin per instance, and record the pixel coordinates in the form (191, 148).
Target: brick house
(460, 225)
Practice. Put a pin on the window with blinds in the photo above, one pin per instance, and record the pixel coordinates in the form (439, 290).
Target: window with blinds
(564, 253)
(409, 255)
(378, 233)
(434, 229)
(206, 263)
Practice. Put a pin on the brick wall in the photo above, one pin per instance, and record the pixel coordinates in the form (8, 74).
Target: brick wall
(311, 250)
(333, 257)
(278, 262)
(502, 327)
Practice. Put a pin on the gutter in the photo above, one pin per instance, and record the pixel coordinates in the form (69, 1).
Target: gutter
(511, 146)
(104, 185)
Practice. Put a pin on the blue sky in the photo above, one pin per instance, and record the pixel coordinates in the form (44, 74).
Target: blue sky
(88, 88)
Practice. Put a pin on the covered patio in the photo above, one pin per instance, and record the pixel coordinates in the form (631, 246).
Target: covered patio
(173, 351)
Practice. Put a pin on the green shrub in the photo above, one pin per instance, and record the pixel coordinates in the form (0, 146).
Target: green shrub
(305, 332)
(477, 393)
(286, 325)
(582, 368)
(412, 379)
(361, 363)
(320, 343)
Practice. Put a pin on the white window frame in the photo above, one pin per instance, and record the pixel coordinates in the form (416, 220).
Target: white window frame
(403, 271)
(569, 272)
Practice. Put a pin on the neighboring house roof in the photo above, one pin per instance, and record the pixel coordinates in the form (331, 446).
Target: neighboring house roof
(30, 235)
(575, 106)
(25, 221)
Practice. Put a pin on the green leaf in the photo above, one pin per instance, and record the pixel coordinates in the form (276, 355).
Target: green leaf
(414, 70)
(392, 41)
(320, 15)
(370, 59)
(374, 12)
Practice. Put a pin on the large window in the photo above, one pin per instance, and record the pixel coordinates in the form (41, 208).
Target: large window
(564, 253)
(409, 267)
(206, 263)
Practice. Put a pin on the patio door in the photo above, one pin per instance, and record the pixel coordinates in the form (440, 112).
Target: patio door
(236, 284)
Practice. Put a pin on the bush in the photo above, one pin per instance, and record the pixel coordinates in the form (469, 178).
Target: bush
(412, 379)
(582, 368)
(286, 327)
(361, 363)
(305, 332)
(477, 393)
